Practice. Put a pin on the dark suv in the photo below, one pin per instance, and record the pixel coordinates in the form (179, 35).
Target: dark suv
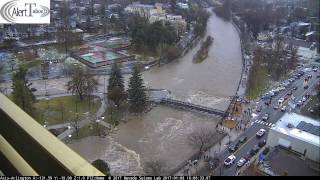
(233, 147)
(243, 139)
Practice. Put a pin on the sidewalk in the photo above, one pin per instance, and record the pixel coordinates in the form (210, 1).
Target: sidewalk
(83, 122)
(201, 167)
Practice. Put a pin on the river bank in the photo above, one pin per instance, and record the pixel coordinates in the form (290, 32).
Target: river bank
(162, 132)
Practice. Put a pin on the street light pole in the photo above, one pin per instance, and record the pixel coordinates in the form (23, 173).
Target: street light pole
(104, 84)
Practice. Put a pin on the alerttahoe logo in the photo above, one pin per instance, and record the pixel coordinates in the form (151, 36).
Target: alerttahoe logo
(24, 11)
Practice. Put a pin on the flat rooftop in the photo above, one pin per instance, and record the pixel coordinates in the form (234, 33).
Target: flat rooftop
(281, 161)
(296, 131)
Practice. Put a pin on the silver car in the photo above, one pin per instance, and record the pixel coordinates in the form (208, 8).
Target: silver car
(241, 162)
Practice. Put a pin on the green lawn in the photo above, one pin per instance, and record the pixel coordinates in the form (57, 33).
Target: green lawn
(257, 83)
(51, 110)
(91, 129)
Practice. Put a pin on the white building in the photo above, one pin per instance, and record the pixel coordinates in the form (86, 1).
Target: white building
(156, 13)
(145, 10)
(298, 133)
(183, 5)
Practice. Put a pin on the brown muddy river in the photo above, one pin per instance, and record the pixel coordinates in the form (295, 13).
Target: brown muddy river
(162, 133)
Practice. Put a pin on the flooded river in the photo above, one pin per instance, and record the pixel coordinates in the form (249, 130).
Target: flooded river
(210, 82)
(162, 133)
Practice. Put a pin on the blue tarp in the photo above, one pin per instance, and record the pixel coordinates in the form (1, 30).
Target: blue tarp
(3, 56)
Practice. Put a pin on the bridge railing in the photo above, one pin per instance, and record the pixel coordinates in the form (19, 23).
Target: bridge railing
(27, 148)
(194, 106)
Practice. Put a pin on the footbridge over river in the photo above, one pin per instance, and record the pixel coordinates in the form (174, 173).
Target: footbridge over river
(194, 107)
(162, 96)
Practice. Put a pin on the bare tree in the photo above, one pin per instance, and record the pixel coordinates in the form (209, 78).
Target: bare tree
(82, 83)
(202, 138)
(75, 123)
(155, 168)
(1, 66)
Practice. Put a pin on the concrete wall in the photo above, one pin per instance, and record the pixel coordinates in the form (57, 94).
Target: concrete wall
(313, 152)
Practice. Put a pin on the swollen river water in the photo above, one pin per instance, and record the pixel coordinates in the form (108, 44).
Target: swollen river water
(162, 133)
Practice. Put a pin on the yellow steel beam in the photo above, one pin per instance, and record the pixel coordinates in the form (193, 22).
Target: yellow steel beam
(69, 159)
(16, 160)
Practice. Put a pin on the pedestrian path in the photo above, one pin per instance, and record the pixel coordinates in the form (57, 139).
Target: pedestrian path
(264, 123)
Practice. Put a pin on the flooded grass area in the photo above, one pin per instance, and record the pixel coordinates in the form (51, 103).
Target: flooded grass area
(160, 134)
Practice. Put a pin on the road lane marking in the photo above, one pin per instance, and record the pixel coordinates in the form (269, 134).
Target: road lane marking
(243, 145)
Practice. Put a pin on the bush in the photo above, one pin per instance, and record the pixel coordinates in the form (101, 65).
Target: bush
(102, 166)
(266, 151)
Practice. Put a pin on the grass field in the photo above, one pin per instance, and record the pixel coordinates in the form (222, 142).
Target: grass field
(62, 109)
(257, 83)
(91, 129)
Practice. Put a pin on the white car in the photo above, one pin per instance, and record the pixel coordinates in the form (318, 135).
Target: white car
(230, 160)
(281, 100)
(241, 162)
(304, 99)
(261, 132)
(283, 108)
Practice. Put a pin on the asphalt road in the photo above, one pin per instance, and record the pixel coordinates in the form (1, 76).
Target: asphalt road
(257, 124)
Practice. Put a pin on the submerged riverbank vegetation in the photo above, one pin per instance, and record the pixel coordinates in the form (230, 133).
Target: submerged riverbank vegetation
(202, 53)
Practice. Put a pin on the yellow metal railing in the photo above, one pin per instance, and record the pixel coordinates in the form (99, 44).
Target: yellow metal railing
(16, 160)
(32, 150)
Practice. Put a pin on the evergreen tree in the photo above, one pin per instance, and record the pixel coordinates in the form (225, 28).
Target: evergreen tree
(137, 92)
(22, 93)
(116, 91)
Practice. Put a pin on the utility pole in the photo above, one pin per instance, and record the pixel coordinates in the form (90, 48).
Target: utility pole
(45, 74)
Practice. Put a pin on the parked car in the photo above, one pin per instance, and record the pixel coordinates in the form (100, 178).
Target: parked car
(233, 147)
(275, 107)
(280, 101)
(260, 133)
(283, 108)
(265, 117)
(230, 160)
(295, 88)
(243, 139)
(304, 99)
(291, 80)
(241, 162)
(254, 150)
(259, 109)
(262, 143)
(299, 103)
(289, 93)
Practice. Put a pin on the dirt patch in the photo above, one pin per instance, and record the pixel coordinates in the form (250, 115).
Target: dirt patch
(229, 124)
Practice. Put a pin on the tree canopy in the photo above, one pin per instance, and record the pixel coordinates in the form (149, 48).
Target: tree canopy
(82, 83)
(116, 91)
(136, 92)
(146, 36)
(22, 93)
